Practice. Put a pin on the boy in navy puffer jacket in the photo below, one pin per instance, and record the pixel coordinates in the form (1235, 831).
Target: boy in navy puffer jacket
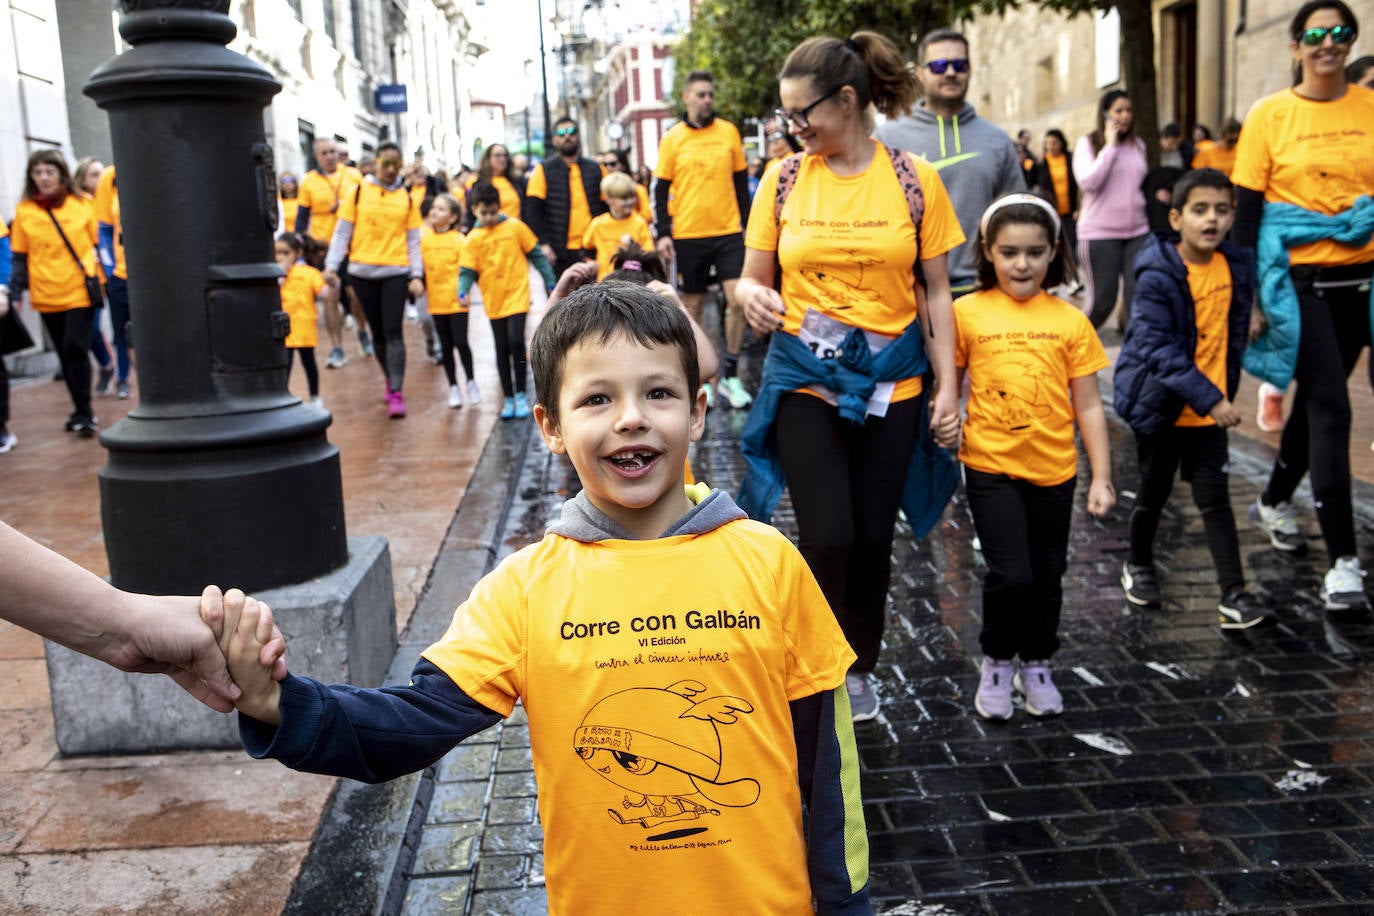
(1175, 379)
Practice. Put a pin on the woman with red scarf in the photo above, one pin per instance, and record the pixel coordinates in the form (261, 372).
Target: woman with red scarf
(55, 269)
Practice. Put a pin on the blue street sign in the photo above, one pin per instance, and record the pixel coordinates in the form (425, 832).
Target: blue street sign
(390, 99)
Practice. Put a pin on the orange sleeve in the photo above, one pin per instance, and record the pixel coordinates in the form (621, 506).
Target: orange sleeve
(536, 186)
(762, 232)
(1253, 162)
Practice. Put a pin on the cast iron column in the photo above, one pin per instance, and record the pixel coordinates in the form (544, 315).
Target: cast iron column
(219, 474)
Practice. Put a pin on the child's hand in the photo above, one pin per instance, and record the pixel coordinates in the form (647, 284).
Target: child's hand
(331, 277)
(1258, 324)
(1225, 414)
(664, 290)
(945, 421)
(1101, 497)
(252, 648)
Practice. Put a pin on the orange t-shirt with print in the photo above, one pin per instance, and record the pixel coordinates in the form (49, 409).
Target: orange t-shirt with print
(510, 198)
(442, 252)
(1210, 285)
(1021, 357)
(618, 650)
(1317, 155)
(56, 282)
(847, 246)
(1216, 157)
(701, 164)
(298, 291)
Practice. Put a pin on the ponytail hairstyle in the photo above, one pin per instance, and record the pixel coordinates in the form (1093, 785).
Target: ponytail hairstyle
(1099, 136)
(635, 265)
(1062, 268)
(866, 61)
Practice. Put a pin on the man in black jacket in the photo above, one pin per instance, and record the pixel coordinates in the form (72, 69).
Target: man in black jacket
(563, 194)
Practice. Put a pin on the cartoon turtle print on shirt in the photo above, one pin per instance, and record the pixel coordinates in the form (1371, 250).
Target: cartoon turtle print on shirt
(838, 277)
(1013, 396)
(663, 747)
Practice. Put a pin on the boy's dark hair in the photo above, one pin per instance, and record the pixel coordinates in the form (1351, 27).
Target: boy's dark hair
(1199, 178)
(1062, 268)
(650, 265)
(1171, 130)
(699, 76)
(484, 193)
(596, 313)
(384, 146)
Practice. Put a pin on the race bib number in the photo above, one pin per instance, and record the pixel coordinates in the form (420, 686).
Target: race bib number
(824, 335)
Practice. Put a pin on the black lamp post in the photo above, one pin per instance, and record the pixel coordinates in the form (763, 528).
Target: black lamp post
(219, 474)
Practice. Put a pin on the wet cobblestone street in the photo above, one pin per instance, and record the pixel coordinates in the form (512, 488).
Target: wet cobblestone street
(1191, 771)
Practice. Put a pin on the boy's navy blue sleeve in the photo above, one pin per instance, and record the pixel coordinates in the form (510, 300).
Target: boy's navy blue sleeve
(828, 771)
(1162, 342)
(370, 735)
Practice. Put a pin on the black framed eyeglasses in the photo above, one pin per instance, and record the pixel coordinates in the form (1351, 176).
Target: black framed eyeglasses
(801, 115)
(1340, 34)
(939, 66)
(565, 132)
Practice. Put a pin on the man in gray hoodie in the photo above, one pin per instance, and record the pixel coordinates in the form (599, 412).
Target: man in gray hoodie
(975, 158)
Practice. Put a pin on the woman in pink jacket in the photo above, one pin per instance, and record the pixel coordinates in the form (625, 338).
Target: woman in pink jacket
(1110, 166)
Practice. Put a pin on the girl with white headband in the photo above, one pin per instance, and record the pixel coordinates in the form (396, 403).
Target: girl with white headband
(1032, 362)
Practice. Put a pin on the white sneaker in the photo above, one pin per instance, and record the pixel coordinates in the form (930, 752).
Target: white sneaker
(1281, 524)
(349, 323)
(1343, 587)
(412, 313)
(455, 396)
(8, 440)
(317, 402)
(474, 396)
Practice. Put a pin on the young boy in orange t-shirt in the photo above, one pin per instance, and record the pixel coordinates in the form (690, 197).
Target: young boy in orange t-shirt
(679, 722)
(607, 233)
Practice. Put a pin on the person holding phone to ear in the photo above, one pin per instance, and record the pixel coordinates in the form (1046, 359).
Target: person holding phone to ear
(1110, 166)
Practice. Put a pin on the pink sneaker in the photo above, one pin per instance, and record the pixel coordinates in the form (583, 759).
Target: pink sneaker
(386, 395)
(395, 405)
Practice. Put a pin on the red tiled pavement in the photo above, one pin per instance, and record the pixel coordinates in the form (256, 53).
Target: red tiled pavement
(210, 831)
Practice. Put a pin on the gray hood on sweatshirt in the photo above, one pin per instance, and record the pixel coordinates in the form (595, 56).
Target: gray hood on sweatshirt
(582, 521)
(976, 160)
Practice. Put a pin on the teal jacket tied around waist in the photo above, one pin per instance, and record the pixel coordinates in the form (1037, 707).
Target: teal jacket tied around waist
(854, 372)
(1274, 356)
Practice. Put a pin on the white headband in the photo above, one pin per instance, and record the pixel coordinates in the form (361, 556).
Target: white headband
(1022, 198)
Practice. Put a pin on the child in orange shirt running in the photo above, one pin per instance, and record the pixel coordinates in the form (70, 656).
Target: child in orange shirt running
(1032, 361)
(300, 288)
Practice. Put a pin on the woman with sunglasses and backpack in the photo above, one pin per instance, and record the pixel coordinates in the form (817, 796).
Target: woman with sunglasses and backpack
(1109, 165)
(1304, 177)
(862, 311)
(53, 239)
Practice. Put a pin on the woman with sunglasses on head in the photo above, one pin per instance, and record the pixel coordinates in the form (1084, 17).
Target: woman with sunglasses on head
(860, 239)
(1304, 177)
(1110, 166)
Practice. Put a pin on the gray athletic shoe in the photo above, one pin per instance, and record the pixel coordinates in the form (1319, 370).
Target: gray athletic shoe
(1281, 524)
(863, 702)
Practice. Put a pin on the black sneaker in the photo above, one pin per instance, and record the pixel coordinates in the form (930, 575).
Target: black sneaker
(85, 426)
(73, 423)
(1141, 584)
(1240, 610)
(102, 385)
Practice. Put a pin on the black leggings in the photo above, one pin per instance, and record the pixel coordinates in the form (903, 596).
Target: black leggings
(1201, 451)
(312, 372)
(846, 484)
(510, 352)
(453, 333)
(1316, 437)
(384, 304)
(1024, 532)
(71, 335)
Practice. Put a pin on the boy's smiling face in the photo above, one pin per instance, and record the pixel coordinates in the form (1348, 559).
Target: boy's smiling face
(625, 419)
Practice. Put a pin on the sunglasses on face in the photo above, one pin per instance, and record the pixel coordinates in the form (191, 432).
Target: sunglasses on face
(800, 116)
(1340, 34)
(565, 132)
(938, 67)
